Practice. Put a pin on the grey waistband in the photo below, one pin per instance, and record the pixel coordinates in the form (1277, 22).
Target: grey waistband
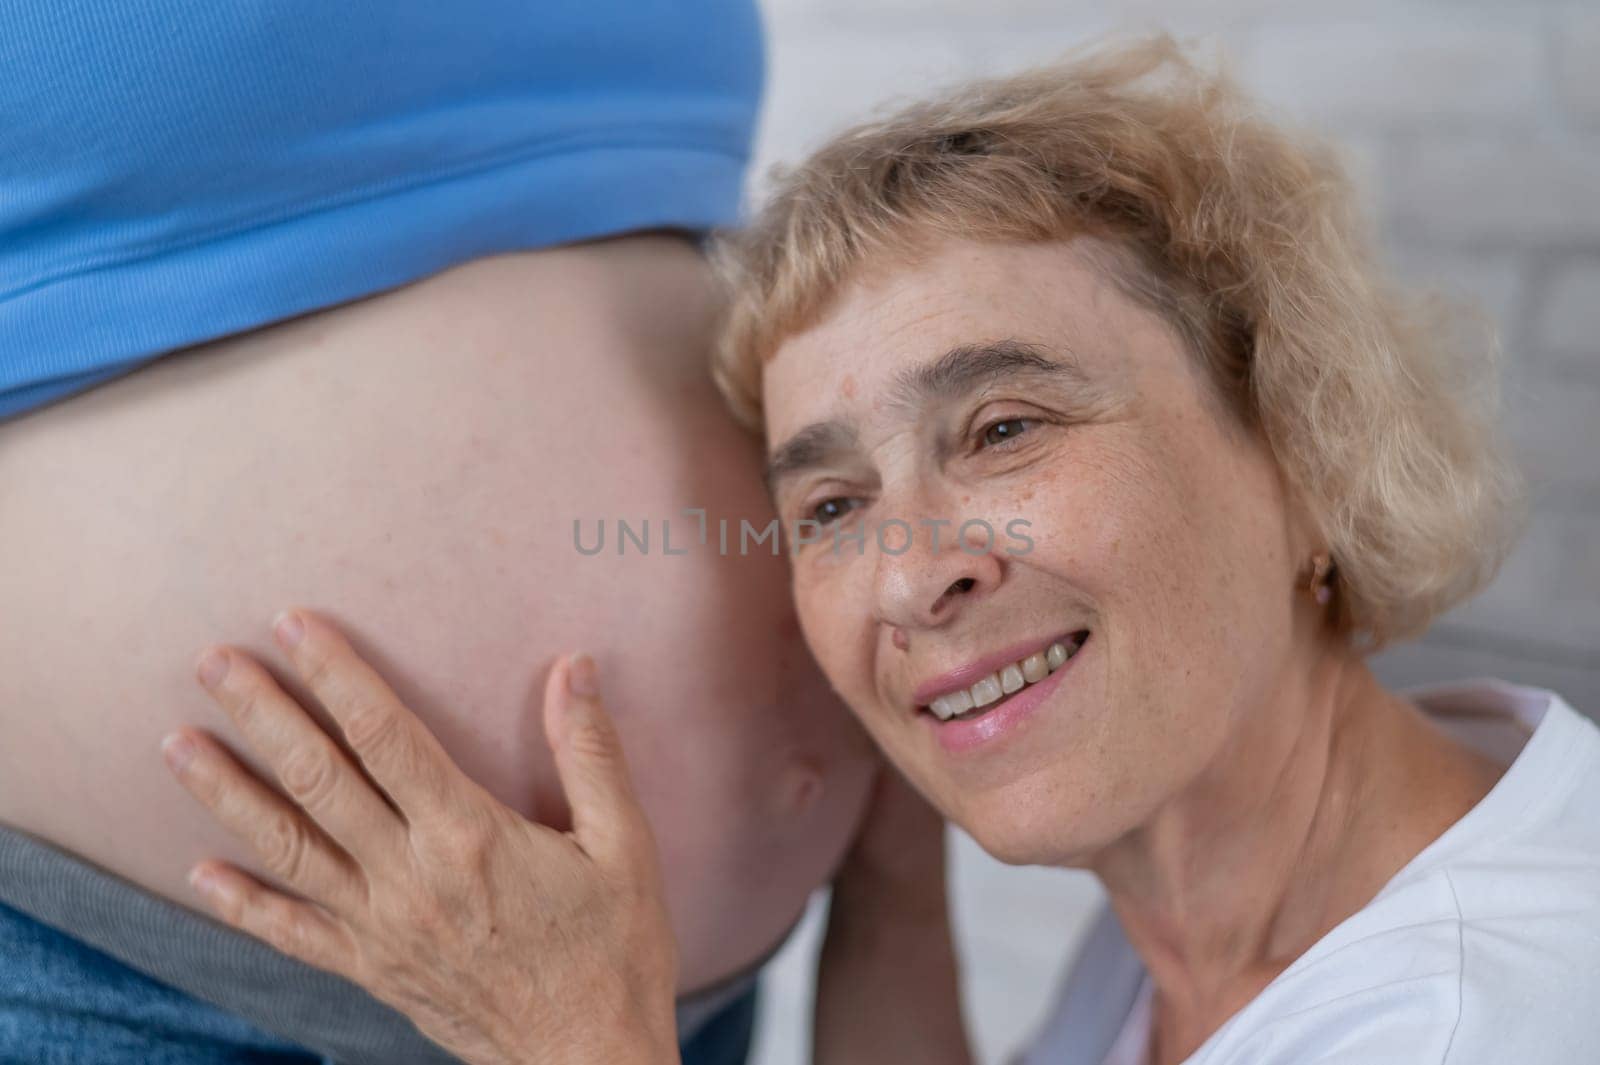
(205, 958)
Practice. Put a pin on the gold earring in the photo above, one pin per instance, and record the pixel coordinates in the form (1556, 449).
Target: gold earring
(1319, 585)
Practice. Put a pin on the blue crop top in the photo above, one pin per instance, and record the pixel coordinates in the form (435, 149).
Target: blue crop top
(173, 171)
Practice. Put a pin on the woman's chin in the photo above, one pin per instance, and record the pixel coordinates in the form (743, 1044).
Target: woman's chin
(1017, 831)
(1016, 837)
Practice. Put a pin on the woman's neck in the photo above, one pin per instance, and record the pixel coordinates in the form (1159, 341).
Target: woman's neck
(1329, 788)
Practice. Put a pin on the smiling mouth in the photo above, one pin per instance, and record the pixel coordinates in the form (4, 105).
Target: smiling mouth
(993, 690)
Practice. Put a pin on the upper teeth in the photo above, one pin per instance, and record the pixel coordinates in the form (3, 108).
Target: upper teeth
(1012, 678)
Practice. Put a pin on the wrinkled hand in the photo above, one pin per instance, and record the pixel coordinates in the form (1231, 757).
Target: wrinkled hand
(503, 940)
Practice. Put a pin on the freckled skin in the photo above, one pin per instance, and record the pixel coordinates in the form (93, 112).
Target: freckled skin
(1160, 527)
(1217, 754)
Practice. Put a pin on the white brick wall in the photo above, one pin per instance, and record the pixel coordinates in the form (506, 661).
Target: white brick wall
(1527, 188)
(1578, 75)
(1472, 127)
(1567, 315)
(1414, 73)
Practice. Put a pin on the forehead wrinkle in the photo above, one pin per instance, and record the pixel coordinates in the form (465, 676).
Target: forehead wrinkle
(962, 368)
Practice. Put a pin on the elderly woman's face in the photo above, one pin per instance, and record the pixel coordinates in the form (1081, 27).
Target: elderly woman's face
(1135, 525)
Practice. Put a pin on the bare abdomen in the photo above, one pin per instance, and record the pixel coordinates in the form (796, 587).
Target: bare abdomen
(412, 465)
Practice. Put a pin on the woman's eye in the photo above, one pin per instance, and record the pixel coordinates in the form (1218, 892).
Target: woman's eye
(1006, 429)
(830, 510)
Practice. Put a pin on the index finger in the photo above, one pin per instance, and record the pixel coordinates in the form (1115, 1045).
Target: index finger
(607, 821)
(398, 752)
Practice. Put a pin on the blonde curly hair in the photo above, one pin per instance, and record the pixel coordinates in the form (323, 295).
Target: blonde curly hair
(1378, 407)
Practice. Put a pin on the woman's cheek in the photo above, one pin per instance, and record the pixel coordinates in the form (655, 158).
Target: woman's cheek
(820, 622)
(1065, 526)
(833, 603)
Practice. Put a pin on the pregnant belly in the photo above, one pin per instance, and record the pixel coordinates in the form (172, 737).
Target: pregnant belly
(413, 466)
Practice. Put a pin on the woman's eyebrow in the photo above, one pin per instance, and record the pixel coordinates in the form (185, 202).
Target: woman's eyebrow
(961, 369)
(955, 373)
(810, 447)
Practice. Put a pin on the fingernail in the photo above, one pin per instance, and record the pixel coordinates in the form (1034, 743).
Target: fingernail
(213, 667)
(288, 628)
(178, 750)
(582, 677)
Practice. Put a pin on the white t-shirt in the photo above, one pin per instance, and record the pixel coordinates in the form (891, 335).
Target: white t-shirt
(1483, 950)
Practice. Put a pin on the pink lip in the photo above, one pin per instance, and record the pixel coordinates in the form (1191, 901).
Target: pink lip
(1004, 718)
(968, 675)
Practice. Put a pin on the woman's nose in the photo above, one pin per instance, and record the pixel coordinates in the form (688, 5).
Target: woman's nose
(929, 585)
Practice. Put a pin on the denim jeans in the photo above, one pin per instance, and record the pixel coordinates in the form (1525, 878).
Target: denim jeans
(64, 1003)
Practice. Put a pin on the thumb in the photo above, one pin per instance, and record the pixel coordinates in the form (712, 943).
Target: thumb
(606, 819)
